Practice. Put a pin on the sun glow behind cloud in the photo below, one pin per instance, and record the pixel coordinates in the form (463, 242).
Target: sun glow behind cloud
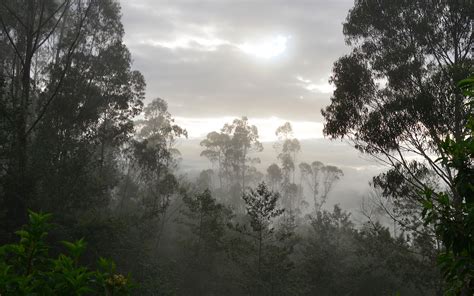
(266, 49)
(198, 128)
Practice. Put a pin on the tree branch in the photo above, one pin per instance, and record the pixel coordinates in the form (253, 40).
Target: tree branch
(63, 74)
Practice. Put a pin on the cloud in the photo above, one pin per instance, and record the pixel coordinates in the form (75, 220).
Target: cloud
(207, 58)
(323, 86)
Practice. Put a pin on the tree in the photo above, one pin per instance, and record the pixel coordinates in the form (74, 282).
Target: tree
(205, 180)
(154, 152)
(288, 148)
(338, 259)
(208, 223)
(261, 207)
(244, 141)
(26, 26)
(71, 98)
(405, 47)
(395, 93)
(216, 145)
(232, 150)
(274, 175)
(320, 179)
(454, 223)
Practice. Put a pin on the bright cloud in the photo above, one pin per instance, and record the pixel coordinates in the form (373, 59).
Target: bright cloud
(200, 127)
(207, 41)
(266, 49)
(322, 87)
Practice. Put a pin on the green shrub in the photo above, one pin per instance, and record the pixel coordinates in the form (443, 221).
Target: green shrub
(26, 268)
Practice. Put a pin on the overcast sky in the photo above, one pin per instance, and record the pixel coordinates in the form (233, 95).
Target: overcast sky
(216, 60)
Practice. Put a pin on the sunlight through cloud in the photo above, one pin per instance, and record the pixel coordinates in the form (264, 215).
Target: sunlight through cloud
(267, 49)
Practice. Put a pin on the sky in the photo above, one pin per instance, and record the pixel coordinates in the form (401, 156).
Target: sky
(215, 60)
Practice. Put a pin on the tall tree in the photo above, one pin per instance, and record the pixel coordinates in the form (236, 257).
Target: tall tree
(71, 95)
(156, 157)
(396, 93)
(288, 147)
(233, 149)
(216, 144)
(244, 141)
(320, 179)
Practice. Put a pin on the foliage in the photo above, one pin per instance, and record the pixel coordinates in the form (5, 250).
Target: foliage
(272, 259)
(454, 222)
(338, 259)
(396, 100)
(72, 111)
(208, 223)
(261, 206)
(27, 268)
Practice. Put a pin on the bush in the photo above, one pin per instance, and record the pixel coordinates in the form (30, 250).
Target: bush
(26, 268)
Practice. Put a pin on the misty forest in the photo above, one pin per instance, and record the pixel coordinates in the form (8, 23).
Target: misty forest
(99, 195)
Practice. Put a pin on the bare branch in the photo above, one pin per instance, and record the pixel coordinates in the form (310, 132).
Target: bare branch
(11, 41)
(14, 14)
(63, 74)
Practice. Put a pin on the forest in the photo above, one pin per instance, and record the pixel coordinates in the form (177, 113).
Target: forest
(94, 201)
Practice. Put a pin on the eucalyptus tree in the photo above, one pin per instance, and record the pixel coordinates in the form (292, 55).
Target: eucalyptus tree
(216, 144)
(396, 97)
(395, 93)
(288, 147)
(155, 153)
(70, 95)
(26, 27)
(320, 180)
(233, 150)
(244, 143)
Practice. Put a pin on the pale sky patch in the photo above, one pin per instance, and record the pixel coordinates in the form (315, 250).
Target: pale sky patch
(188, 42)
(198, 128)
(322, 86)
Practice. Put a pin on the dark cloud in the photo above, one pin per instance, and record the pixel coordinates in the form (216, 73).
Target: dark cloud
(226, 81)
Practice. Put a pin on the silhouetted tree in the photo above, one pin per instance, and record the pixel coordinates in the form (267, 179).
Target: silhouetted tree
(320, 179)
(396, 92)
